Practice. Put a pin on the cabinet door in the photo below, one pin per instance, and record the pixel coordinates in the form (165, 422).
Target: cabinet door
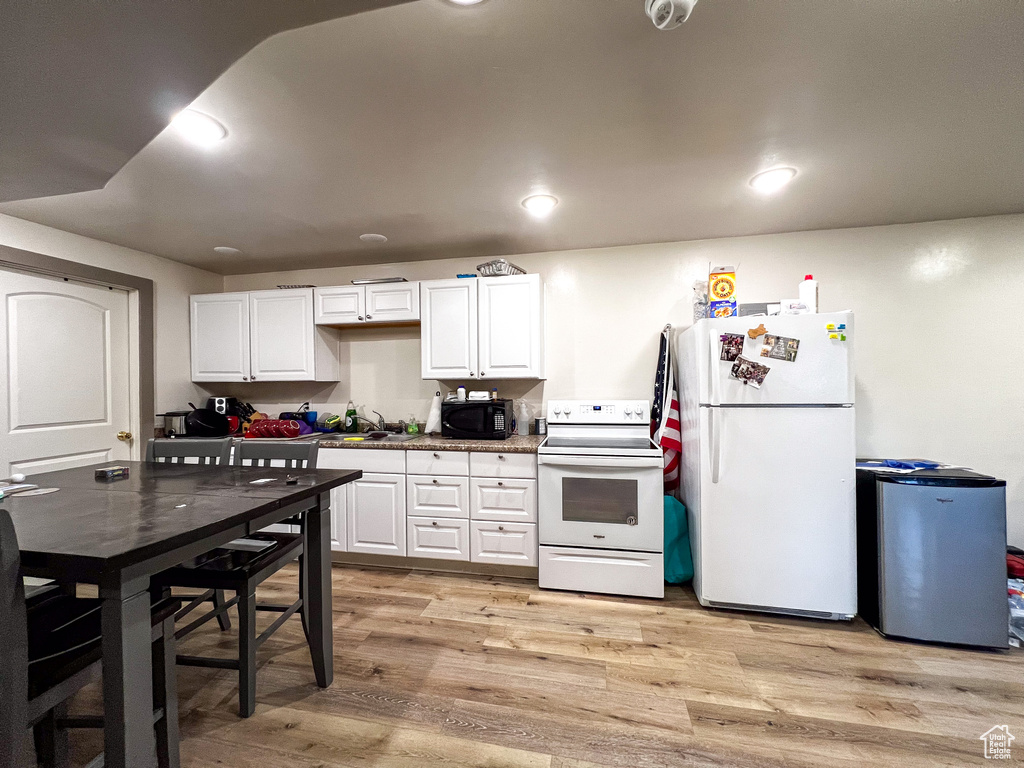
(448, 336)
(220, 337)
(504, 500)
(508, 543)
(439, 537)
(339, 519)
(511, 327)
(376, 514)
(438, 496)
(281, 335)
(392, 302)
(339, 305)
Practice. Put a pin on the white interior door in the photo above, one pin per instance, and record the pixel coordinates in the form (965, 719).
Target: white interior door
(65, 377)
(778, 508)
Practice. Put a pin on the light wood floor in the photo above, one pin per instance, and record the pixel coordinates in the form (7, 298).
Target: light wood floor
(452, 670)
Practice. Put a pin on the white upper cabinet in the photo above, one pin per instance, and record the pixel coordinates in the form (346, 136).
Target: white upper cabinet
(483, 328)
(511, 313)
(448, 334)
(261, 336)
(340, 304)
(377, 303)
(220, 337)
(392, 302)
(281, 340)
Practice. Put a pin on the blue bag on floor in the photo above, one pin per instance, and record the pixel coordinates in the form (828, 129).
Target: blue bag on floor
(678, 561)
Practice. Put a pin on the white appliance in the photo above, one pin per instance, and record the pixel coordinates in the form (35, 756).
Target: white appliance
(600, 503)
(768, 474)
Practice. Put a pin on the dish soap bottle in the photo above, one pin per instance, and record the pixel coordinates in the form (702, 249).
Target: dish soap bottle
(522, 419)
(351, 422)
(809, 293)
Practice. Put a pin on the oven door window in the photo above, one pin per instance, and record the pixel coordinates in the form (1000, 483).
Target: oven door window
(592, 500)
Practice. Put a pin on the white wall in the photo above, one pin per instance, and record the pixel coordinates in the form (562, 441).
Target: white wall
(938, 375)
(172, 285)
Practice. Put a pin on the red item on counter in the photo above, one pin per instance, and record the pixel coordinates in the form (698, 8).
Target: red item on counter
(1015, 566)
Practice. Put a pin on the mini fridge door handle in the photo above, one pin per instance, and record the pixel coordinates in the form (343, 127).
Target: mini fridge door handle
(713, 373)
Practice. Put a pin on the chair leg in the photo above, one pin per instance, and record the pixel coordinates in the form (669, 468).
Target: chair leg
(303, 575)
(246, 653)
(52, 748)
(223, 619)
(165, 696)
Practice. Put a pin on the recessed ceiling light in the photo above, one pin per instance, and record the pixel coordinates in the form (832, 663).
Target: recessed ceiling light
(540, 205)
(772, 180)
(371, 237)
(199, 128)
(465, 2)
(227, 250)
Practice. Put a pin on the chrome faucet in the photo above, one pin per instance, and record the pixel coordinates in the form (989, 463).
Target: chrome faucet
(380, 425)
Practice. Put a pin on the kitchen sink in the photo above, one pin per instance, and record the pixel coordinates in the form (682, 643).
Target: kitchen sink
(389, 437)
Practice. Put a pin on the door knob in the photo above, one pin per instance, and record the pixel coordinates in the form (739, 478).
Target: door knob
(124, 436)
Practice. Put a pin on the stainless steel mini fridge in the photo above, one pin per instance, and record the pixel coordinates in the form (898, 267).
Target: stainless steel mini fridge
(931, 553)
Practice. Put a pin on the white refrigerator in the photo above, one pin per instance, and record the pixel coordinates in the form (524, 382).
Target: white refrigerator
(768, 473)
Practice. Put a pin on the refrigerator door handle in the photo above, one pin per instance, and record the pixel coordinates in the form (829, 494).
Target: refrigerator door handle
(715, 439)
(713, 373)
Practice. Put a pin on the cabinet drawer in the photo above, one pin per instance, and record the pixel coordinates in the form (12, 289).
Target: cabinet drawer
(438, 496)
(522, 465)
(438, 537)
(366, 459)
(508, 543)
(438, 462)
(512, 500)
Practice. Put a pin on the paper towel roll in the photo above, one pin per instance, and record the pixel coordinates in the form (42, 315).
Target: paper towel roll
(434, 419)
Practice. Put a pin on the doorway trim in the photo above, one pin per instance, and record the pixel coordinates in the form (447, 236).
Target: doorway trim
(140, 294)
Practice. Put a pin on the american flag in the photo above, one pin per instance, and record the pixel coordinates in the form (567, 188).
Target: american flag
(665, 413)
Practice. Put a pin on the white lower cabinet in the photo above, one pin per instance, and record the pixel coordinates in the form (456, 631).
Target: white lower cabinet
(503, 500)
(376, 514)
(438, 496)
(506, 543)
(444, 538)
(339, 519)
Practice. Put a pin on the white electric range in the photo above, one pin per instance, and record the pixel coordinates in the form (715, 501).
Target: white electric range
(600, 499)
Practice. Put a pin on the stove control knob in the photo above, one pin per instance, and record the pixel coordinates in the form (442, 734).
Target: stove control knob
(568, 410)
(557, 410)
(628, 411)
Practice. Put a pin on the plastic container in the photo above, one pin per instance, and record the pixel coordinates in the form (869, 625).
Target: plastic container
(523, 419)
(351, 422)
(809, 293)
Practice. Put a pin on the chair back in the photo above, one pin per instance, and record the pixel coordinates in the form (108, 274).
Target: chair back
(13, 647)
(176, 450)
(300, 454)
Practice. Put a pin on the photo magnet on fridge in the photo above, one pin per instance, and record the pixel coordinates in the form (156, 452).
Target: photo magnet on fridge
(780, 348)
(749, 372)
(732, 346)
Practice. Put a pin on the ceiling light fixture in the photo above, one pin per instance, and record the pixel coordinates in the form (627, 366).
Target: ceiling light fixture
(227, 250)
(772, 180)
(465, 2)
(199, 128)
(540, 205)
(371, 237)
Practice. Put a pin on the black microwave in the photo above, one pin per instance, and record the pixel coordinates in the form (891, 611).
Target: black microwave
(477, 420)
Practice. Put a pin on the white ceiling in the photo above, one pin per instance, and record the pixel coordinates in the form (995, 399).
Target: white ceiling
(429, 122)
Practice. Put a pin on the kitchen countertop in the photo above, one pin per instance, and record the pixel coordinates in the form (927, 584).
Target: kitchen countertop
(514, 444)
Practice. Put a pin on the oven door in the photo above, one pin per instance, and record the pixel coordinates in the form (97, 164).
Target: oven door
(608, 502)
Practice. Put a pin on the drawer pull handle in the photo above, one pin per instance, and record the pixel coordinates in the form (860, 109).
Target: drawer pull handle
(435, 482)
(598, 536)
(501, 527)
(434, 523)
(500, 457)
(437, 456)
(501, 485)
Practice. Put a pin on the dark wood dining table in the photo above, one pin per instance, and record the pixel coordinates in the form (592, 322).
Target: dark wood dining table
(118, 533)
